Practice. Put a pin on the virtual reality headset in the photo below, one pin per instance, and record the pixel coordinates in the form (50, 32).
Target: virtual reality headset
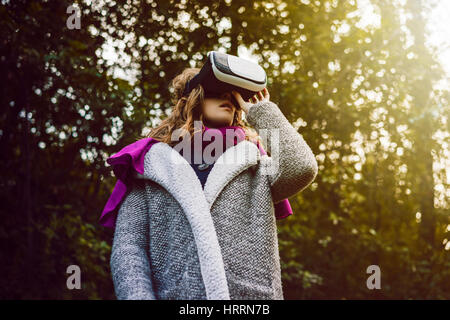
(223, 72)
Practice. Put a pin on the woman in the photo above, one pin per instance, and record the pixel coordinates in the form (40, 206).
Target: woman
(183, 235)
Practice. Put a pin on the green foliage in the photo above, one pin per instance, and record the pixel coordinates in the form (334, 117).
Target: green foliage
(368, 109)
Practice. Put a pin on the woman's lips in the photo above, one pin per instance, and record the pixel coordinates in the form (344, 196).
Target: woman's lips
(226, 106)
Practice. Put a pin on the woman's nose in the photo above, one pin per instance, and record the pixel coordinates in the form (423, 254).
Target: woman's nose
(226, 95)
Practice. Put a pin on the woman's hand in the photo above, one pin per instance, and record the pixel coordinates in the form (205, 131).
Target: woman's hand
(263, 95)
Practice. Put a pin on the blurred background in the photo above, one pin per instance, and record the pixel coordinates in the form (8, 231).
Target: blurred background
(366, 82)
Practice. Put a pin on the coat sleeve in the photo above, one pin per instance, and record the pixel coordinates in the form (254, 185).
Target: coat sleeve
(291, 166)
(130, 266)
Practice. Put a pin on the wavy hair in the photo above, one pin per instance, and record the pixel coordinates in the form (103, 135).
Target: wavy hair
(186, 110)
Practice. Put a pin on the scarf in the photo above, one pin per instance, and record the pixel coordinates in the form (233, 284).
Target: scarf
(131, 158)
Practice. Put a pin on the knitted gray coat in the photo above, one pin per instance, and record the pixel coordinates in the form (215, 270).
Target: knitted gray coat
(175, 240)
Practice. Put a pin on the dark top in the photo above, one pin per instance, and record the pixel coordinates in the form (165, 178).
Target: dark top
(202, 171)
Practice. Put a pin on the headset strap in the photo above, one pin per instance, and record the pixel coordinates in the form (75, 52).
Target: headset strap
(191, 84)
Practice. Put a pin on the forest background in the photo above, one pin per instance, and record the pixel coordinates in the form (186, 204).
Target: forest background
(356, 78)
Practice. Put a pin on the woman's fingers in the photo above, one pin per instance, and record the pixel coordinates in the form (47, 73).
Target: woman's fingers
(266, 93)
(260, 95)
(240, 100)
(238, 97)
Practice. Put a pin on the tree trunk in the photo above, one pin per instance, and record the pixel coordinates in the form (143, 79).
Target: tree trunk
(423, 127)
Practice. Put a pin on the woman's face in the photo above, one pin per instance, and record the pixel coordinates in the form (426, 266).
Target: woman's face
(218, 111)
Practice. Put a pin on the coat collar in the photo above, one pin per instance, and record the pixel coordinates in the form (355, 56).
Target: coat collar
(167, 167)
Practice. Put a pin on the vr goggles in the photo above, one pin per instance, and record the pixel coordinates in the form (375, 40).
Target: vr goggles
(223, 73)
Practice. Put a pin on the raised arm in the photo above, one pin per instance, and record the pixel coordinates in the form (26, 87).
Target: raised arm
(129, 262)
(293, 160)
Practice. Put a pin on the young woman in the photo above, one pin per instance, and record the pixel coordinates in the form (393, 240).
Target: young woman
(208, 230)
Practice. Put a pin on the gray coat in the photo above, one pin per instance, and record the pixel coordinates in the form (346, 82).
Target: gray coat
(175, 240)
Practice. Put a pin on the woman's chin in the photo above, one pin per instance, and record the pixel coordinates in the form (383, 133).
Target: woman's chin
(219, 123)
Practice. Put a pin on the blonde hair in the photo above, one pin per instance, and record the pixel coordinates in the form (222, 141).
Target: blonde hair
(186, 110)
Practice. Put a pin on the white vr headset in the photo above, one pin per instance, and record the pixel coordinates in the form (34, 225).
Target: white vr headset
(223, 72)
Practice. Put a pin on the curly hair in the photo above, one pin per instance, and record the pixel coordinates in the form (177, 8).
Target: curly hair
(188, 109)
